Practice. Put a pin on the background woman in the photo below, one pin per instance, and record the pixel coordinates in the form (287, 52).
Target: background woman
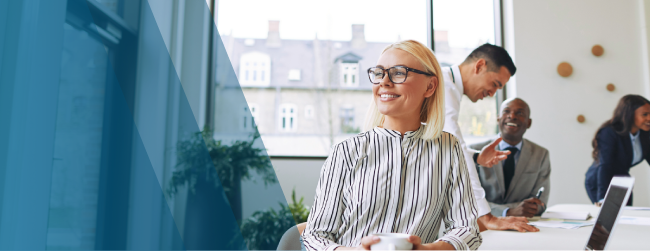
(620, 143)
(400, 176)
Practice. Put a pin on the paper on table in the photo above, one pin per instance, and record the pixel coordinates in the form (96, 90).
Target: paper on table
(644, 221)
(560, 224)
(637, 208)
(566, 215)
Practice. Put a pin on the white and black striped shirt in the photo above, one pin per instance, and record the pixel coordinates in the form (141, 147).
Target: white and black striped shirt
(379, 182)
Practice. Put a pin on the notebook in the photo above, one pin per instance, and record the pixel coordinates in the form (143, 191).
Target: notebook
(566, 215)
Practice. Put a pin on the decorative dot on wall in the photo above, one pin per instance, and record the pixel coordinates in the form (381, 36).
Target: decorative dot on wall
(611, 87)
(597, 50)
(564, 69)
(581, 119)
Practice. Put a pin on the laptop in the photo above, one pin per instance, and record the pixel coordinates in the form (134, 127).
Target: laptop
(615, 200)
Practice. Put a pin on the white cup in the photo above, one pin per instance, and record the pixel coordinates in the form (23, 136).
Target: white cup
(392, 241)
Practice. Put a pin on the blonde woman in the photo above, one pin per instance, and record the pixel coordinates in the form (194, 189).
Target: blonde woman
(404, 174)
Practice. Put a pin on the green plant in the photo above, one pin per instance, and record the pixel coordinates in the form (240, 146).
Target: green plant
(260, 231)
(299, 211)
(202, 157)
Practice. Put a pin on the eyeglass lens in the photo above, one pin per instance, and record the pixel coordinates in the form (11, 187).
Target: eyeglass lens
(397, 75)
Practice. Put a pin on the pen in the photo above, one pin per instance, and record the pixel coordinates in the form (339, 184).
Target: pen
(539, 193)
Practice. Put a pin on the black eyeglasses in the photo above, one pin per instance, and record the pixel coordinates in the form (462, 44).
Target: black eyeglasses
(396, 74)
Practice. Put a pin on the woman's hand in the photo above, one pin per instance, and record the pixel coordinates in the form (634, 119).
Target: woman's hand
(598, 204)
(366, 242)
(417, 243)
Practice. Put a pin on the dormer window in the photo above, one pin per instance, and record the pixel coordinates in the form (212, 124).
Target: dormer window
(348, 69)
(255, 69)
(350, 74)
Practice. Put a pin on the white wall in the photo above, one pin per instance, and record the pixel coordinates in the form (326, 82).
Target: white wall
(548, 32)
(540, 35)
(300, 174)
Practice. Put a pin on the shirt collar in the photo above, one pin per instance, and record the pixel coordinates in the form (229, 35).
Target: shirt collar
(395, 134)
(635, 136)
(503, 145)
(456, 78)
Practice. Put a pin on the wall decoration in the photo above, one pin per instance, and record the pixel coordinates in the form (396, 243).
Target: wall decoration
(611, 87)
(564, 69)
(581, 119)
(597, 50)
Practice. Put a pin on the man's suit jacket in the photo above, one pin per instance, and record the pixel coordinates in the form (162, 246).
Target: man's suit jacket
(532, 171)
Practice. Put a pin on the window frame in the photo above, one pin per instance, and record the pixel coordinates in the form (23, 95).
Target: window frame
(349, 77)
(288, 115)
(499, 40)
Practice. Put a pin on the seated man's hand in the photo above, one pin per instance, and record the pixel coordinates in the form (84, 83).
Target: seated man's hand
(490, 156)
(507, 223)
(527, 208)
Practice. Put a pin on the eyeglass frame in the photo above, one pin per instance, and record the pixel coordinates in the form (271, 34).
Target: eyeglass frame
(387, 72)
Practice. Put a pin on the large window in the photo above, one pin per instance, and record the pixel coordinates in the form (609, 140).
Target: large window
(318, 57)
(459, 27)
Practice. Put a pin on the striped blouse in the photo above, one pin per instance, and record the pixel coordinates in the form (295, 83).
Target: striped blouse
(379, 182)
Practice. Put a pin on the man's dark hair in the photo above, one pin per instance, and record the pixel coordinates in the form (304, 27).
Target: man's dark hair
(495, 57)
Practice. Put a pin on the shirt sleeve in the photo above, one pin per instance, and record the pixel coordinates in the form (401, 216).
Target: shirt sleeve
(325, 217)
(543, 180)
(459, 210)
(607, 152)
(452, 106)
(501, 209)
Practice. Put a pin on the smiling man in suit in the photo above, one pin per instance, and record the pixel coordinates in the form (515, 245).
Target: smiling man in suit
(512, 184)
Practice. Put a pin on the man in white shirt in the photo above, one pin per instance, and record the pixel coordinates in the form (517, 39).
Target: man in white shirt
(486, 70)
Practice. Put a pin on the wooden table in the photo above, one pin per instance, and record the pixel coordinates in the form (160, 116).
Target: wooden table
(624, 237)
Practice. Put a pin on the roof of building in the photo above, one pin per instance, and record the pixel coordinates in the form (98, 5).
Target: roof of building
(316, 59)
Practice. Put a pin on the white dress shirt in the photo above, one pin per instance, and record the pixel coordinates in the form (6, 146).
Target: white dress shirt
(453, 94)
(379, 182)
(637, 155)
(503, 145)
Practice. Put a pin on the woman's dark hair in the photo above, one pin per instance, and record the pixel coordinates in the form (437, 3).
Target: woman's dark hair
(622, 120)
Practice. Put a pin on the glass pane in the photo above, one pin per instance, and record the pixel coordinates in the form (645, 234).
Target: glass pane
(461, 26)
(78, 141)
(112, 5)
(331, 43)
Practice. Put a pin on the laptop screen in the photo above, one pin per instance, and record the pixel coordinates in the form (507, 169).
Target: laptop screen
(607, 217)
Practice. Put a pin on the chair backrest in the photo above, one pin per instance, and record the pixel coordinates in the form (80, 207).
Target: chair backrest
(291, 238)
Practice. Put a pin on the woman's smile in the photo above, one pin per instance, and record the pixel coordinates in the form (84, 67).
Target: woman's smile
(385, 96)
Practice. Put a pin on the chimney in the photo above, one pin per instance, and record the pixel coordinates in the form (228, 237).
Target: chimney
(358, 36)
(273, 39)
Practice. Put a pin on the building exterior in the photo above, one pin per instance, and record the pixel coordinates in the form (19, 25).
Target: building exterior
(306, 95)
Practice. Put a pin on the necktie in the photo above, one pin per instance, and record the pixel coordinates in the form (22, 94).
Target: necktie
(509, 166)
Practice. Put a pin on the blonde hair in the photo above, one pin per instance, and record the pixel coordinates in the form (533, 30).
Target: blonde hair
(432, 112)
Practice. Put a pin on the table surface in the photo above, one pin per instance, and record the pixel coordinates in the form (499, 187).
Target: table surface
(624, 237)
